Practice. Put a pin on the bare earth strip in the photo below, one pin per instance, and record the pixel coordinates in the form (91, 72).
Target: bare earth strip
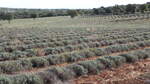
(125, 74)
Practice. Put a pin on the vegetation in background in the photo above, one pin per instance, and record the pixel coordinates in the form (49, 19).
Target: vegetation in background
(34, 13)
(72, 13)
(6, 16)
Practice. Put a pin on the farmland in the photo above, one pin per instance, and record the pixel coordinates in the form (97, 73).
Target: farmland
(55, 50)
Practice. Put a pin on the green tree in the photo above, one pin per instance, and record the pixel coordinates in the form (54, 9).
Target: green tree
(34, 15)
(108, 10)
(102, 10)
(72, 13)
(6, 16)
(9, 17)
(96, 11)
(147, 7)
(116, 10)
(142, 8)
(130, 8)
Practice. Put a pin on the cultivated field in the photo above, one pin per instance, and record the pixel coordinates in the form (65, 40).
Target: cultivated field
(61, 50)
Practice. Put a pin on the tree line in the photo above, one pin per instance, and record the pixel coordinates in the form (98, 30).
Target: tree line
(123, 9)
(9, 13)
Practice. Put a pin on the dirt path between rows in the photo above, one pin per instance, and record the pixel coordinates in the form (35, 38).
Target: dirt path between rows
(125, 74)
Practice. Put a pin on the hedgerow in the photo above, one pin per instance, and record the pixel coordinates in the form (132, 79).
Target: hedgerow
(74, 57)
(48, 77)
(92, 67)
(19, 53)
(99, 52)
(147, 50)
(87, 54)
(106, 62)
(8, 67)
(26, 64)
(118, 60)
(39, 62)
(5, 80)
(26, 79)
(78, 70)
(130, 57)
(55, 74)
(141, 54)
(31, 52)
(5, 56)
(62, 73)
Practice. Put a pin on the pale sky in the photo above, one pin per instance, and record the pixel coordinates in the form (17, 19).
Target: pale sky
(72, 4)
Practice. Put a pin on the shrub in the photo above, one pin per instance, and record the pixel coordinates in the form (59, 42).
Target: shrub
(88, 54)
(62, 73)
(48, 51)
(18, 54)
(83, 53)
(121, 41)
(110, 42)
(5, 80)
(141, 54)
(52, 59)
(59, 44)
(5, 56)
(130, 57)
(66, 42)
(22, 48)
(93, 45)
(141, 44)
(89, 66)
(83, 46)
(69, 48)
(106, 62)
(147, 50)
(48, 77)
(145, 75)
(9, 67)
(123, 48)
(114, 48)
(99, 51)
(39, 52)
(74, 57)
(133, 46)
(77, 69)
(2, 49)
(9, 49)
(78, 47)
(58, 50)
(30, 53)
(103, 43)
(63, 58)
(51, 44)
(26, 64)
(39, 62)
(147, 43)
(117, 59)
(55, 59)
(109, 50)
(61, 50)
(27, 79)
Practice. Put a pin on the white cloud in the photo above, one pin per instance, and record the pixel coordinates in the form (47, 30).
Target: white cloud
(64, 3)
